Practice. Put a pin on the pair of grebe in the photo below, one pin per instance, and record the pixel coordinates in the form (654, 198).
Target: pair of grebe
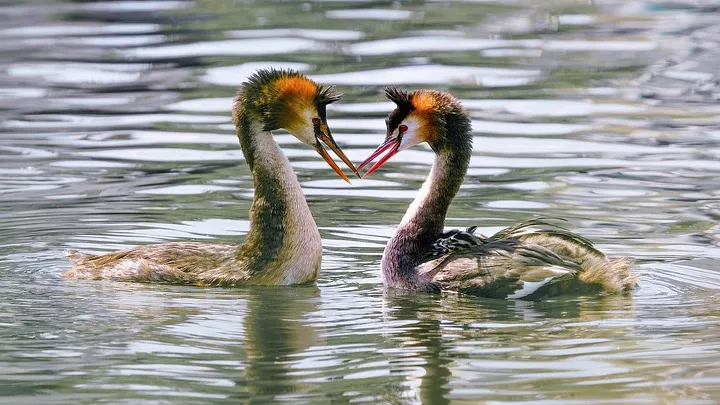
(531, 260)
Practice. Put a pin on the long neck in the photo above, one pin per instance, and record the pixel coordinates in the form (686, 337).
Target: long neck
(424, 220)
(283, 237)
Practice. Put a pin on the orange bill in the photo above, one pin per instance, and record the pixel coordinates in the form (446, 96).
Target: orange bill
(330, 142)
(322, 133)
(329, 160)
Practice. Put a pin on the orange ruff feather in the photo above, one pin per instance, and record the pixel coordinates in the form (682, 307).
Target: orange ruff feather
(302, 89)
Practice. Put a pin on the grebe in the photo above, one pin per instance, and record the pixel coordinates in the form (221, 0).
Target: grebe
(531, 260)
(283, 245)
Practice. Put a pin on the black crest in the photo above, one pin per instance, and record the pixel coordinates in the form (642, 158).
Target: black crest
(404, 107)
(257, 94)
(327, 95)
(400, 97)
(263, 77)
(253, 95)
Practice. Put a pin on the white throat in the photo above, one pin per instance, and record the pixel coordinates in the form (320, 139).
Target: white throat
(425, 194)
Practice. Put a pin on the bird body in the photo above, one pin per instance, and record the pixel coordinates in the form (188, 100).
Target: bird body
(283, 245)
(531, 260)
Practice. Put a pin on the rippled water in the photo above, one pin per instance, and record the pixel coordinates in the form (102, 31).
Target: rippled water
(116, 131)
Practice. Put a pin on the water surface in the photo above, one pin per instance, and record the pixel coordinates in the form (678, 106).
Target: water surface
(115, 131)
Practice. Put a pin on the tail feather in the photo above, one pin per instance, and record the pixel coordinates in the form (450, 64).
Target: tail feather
(76, 257)
(78, 260)
(614, 275)
(538, 258)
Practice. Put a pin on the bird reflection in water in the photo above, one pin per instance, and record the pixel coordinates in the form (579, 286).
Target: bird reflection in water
(276, 329)
(440, 334)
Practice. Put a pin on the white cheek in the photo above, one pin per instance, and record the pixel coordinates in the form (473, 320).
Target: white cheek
(410, 137)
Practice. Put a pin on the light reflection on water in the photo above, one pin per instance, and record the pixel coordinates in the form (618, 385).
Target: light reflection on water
(116, 131)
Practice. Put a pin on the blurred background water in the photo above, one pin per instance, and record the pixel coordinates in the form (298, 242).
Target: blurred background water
(115, 131)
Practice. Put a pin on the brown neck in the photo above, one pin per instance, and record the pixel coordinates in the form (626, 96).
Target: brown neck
(280, 219)
(424, 220)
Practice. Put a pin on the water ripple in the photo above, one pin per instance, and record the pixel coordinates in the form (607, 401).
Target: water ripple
(117, 132)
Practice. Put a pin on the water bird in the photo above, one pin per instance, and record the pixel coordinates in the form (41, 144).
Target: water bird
(532, 260)
(283, 246)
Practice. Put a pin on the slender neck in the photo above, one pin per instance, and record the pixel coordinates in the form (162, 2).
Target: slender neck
(424, 220)
(281, 223)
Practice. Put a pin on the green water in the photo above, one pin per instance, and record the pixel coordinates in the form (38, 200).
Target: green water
(115, 131)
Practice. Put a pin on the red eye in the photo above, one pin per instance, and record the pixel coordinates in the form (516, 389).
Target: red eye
(402, 128)
(316, 121)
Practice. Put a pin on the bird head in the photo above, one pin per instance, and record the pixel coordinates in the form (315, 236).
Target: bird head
(289, 100)
(421, 116)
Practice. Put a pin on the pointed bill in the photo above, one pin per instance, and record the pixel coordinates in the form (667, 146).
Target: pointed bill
(322, 133)
(392, 145)
(330, 142)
